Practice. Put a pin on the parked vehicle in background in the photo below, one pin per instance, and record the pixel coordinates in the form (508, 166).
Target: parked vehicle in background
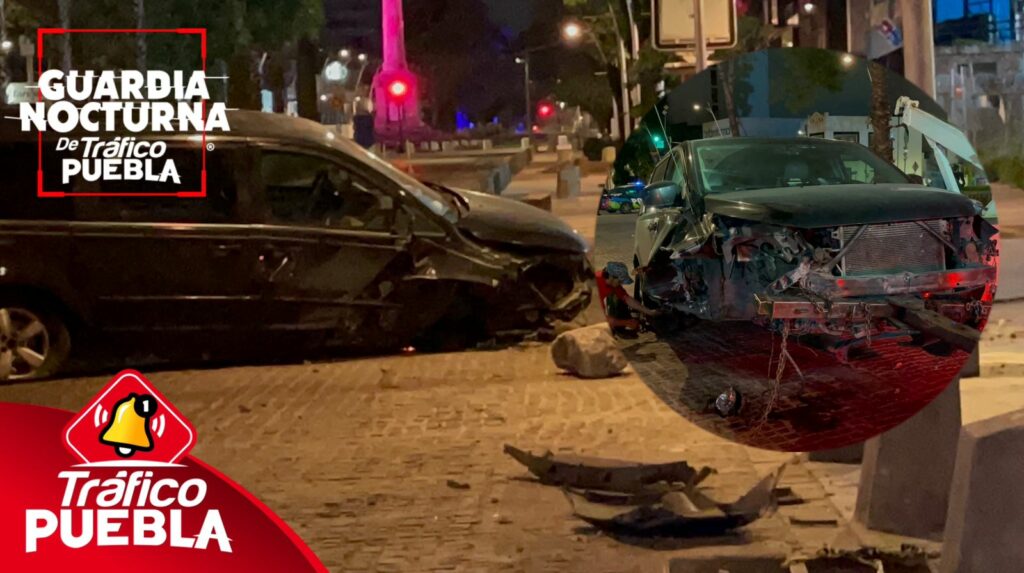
(300, 231)
(623, 199)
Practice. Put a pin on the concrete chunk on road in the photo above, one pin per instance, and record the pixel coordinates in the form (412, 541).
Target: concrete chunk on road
(589, 352)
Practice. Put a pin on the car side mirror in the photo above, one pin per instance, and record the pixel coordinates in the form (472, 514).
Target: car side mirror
(662, 194)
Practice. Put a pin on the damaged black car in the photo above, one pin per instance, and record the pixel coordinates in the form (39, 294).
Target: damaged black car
(300, 231)
(814, 237)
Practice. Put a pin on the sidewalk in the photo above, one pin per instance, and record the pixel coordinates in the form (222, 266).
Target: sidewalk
(541, 177)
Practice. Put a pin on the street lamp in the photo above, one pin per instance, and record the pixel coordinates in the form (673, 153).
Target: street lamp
(847, 60)
(572, 31)
(697, 107)
(524, 60)
(344, 54)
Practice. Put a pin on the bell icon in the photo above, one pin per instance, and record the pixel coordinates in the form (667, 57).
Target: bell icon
(128, 430)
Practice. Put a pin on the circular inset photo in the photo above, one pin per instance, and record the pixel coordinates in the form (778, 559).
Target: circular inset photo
(796, 250)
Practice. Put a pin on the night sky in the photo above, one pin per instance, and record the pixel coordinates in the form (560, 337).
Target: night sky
(514, 15)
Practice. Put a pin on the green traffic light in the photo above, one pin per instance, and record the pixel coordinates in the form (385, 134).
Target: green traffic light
(658, 140)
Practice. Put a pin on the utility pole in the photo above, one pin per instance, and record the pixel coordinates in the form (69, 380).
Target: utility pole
(919, 36)
(627, 120)
(634, 36)
(526, 93)
(698, 35)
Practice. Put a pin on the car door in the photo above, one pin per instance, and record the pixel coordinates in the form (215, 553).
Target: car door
(330, 232)
(658, 221)
(643, 235)
(148, 263)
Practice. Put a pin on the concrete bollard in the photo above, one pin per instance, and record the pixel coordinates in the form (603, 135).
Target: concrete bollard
(447, 146)
(489, 182)
(503, 177)
(568, 182)
(435, 146)
(524, 143)
(608, 155)
(564, 150)
(986, 508)
(906, 472)
(488, 144)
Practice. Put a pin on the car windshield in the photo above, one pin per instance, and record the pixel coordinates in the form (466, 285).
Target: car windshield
(437, 203)
(741, 164)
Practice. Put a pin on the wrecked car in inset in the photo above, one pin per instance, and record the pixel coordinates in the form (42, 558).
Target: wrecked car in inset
(300, 233)
(814, 237)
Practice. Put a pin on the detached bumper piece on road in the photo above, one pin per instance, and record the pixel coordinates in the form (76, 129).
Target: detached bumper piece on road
(647, 499)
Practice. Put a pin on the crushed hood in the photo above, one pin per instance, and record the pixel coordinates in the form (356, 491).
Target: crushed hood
(498, 220)
(834, 205)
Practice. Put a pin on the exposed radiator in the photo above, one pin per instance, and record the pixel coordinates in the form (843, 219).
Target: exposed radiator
(893, 248)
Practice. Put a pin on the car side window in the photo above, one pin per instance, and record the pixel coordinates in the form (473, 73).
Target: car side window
(219, 205)
(679, 176)
(18, 199)
(305, 189)
(657, 174)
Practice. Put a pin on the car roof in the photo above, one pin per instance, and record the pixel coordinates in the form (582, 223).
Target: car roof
(244, 124)
(801, 139)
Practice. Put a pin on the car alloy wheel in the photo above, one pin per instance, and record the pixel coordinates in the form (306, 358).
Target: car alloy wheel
(24, 343)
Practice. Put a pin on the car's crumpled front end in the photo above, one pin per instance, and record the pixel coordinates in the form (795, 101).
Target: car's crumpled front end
(523, 268)
(844, 275)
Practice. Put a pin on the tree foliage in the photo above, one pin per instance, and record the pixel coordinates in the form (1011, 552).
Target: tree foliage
(607, 22)
(238, 32)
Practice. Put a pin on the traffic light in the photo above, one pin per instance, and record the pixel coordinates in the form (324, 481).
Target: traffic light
(545, 110)
(659, 141)
(398, 90)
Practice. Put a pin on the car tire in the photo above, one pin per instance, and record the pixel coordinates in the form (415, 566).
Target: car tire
(31, 330)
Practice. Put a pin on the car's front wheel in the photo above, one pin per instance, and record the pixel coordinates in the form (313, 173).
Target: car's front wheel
(34, 340)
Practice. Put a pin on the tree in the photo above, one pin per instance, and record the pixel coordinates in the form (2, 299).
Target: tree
(585, 89)
(881, 114)
(807, 72)
(607, 23)
(753, 35)
(239, 32)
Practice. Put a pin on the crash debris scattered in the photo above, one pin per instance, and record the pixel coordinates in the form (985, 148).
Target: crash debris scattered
(907, 559)
(652, 499)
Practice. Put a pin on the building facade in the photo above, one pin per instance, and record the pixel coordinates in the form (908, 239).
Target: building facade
(982, 86)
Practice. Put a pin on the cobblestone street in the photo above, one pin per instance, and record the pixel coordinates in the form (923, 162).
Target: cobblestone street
(356, 457)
